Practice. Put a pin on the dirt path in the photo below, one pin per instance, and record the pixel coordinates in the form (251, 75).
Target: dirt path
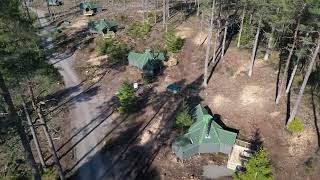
(89, 120)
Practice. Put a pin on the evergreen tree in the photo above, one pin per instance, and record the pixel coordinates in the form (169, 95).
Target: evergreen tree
(257, 168)
(13, 116)
(183, 118)
(127, 98)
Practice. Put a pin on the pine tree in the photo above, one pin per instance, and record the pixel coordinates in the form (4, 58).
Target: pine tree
(304, 83)
(4, 92)
(206, 62)
(257, 168)
(127, 98)
(183, 119)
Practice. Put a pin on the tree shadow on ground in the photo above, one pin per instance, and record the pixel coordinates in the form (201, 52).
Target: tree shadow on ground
(231, 32)
(288, 96)
(315, 119)
(106, 110)
(125, 155)
(218, 119)
(256, 141)
(283, 55)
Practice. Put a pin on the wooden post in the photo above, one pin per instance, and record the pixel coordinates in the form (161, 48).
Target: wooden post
(34, 135)
(224, 40)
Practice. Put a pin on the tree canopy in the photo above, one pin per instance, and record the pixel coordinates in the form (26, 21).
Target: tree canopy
(258, 167)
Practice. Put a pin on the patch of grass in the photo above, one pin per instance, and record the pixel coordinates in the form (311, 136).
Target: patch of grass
(122, 18)
(157, 48)
(16, 176)
(295, 126)
(230, 70)
(173, 43)
(298, 79)
(148, 79)
(274, 60)
(117, 51)
(151, 15)
(49, 174)
(139, 29)
(311, 164)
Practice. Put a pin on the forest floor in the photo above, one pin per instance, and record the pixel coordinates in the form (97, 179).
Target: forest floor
(139, 145)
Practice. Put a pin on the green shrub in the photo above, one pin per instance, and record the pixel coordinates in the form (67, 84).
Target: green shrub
(147, 79)
(151, 15)
(49, 174)
(139, 29)
(295, 126)
(157, 48)
(258, 167)
(127, 98)
(298, 79)
(247, 35)
(117, 52)
(122, 18)
(183, 118)
(173, 43)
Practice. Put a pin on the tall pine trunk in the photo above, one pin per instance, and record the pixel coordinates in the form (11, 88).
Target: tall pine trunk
(292, 76)
(168, 9)
(224, 40)
(47, 134)
(155, 12)
(269, 46)
(164, 16)
(304, 83)
(286, 69)
(34, 135)
(201, 28)
(205, 77)
(241, 26)
(143, 10)
(250, 19)
(255, 46)
(198, 7)
(21, 132)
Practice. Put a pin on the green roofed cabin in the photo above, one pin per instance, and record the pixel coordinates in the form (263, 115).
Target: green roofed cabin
(204, 136)
(102, 26)
(54, 2)
(90, 8)
(148, 62)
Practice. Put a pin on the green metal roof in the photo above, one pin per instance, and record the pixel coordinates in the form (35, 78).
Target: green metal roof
(101, 25)
(89, 5)
(204, 130)
(54, 2)
(173, 88)
(146, 61)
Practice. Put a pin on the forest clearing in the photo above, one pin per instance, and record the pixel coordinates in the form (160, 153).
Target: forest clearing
(161, 89)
